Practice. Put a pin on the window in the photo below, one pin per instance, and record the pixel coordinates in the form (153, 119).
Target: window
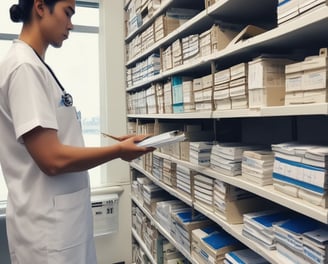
(76, 65)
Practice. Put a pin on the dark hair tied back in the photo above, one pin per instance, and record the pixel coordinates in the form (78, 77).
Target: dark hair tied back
(16, 13)
(21, 12)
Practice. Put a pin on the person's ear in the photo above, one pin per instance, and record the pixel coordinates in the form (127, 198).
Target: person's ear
(39, 7)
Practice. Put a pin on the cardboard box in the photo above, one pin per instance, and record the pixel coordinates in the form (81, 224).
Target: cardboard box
(240, 102)
(205, 43)
(266, 81)
(167, 59)
(294, 98)
(315, 79)
(235, 209)
(209, 3)
(246, 33)
(267, 72)
(176, 53)
(238, 71)
(221, 37)
(222, 76)
(164, 25)
(221, 94)
(270, 96)
(315, 96)
(222, 104)
(293, 77)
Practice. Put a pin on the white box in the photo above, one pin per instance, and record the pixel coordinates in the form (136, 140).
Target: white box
(105, 213)
(265, 72)
(315, 79)
(238, 71)
(222, 76)
(270, 96)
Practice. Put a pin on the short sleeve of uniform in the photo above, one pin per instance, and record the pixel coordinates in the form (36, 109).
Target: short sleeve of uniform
(30, 100)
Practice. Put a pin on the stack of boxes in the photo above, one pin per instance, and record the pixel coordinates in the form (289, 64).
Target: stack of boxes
(163, 25)
(203, 88)
(188, 96)
(157, 170)
(221, 95)
(147, 38)
(205, 43)
(231, 202)
(151, 99)
(152, 194)
(177, 94)
(197, 87)
(134, 47)
(170, 173)
(167, 98)
(207, 90)
(200, 152)
(183, 224)
(152, 6)
(238, 90)
(185, 180)
(221, 36)
(266, 82)
(291, 9)
(306, 81)
(177, 53)
(171, 20)
(167, 59)
(151, 237)
(287, 10)
(145, 69)
(190, 48)
(203, 191)
(160, 97)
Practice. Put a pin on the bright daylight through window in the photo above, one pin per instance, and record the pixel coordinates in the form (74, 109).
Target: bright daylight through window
(76, 65)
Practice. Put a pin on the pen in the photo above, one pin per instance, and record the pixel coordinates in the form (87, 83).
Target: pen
(111, 136)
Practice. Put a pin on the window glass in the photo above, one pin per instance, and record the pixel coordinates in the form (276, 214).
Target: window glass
(86, 16)
(6, 25)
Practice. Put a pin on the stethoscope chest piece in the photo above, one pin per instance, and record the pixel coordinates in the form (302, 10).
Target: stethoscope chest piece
(67, 99)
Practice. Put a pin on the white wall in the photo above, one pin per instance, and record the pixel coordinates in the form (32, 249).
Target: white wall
(115, 247)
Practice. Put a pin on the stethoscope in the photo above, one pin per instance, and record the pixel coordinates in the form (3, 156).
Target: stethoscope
(67, 99)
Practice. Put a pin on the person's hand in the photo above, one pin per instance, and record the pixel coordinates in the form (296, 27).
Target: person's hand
(129, 150)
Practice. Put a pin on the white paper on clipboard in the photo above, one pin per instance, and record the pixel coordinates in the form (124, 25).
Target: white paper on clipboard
(163, 139)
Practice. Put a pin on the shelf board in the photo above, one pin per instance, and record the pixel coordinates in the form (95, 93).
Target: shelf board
(143, 246)
(301, 109)
(275, 111)
(233, 113)
(192, 115)
(268, 192)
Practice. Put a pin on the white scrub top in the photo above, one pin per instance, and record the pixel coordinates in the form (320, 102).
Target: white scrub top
(49, 218)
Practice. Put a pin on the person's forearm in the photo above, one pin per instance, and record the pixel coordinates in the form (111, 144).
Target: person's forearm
(73, 159)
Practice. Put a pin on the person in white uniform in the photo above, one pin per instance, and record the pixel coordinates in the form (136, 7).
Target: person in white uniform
(42, 154)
